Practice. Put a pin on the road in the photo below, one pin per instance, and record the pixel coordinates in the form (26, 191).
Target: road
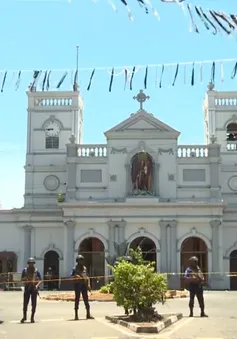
(54, 320)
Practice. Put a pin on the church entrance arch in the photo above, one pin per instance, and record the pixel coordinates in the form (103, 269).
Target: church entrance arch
(233, 270)
(147, 246)
(142, 174)
(194, 246)
(8, 266)
(51, 269)
(93, 251)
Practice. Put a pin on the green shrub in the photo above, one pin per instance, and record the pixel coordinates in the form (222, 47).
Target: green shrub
(107, 289)
(137, 288)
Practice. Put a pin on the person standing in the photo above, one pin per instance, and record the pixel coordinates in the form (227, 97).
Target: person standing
(195, 280)
(32, 279)
(49, 277)
(81, 286)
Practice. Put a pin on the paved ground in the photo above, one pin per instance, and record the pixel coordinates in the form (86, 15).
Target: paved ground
(54, 320)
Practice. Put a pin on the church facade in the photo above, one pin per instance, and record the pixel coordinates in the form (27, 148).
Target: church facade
(140, 188)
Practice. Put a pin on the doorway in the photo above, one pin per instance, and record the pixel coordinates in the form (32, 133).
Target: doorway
(194, 246)
(233, 270)
(93, 251)
(147, 246)
(51, 260)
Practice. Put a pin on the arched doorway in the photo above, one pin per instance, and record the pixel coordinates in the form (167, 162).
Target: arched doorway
(147, 246)
(94, 253)
(233, 270)
(194, 246)
(8, 266)
(51, 260)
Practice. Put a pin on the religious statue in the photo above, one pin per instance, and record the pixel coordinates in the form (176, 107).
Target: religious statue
(142, 174)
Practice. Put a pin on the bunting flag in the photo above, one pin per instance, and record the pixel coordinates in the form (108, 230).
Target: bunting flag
(163, 75)
(212, 20)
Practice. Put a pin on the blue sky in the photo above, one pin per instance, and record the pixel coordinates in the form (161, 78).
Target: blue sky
(43, 35)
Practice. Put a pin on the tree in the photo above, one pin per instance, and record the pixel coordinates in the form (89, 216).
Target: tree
(137, 288)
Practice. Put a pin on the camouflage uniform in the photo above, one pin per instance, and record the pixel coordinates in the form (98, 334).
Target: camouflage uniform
(195, 281)
(81, 286)
(32, 278)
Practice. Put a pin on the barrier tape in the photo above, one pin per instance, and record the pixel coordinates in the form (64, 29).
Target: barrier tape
(228, 274)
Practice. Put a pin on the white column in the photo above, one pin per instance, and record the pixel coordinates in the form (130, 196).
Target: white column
(68, 246)
(163, 244)
(27, 242)
(216, 246)
(121, 237)
(111, 226)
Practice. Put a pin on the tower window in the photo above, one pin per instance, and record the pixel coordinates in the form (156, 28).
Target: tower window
(52, 142)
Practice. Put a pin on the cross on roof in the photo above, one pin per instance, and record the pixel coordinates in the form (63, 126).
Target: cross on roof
(141, 98)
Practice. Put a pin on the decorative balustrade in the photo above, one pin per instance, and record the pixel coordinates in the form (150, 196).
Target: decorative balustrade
(226, 102)
(53, 102)
(192, 151)
(231, 145)
(226, 99)
(92, 150)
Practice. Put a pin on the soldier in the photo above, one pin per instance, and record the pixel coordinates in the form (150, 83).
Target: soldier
(32, 278)
(81, 286)
(195, 281)
(49, 276)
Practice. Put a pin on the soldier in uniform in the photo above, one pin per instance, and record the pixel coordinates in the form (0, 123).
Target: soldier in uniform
(195, 280)
(32, 279)
(81, 286)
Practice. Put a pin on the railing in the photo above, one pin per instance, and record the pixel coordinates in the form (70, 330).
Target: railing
(92, 150)
(54, 102)
(226, 99)
(231, 145)
(192, 151)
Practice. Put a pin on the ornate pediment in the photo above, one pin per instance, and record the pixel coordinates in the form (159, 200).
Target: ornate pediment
(143, 122)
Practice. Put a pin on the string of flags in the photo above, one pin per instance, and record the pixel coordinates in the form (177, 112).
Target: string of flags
(187, 72)
(212, 20)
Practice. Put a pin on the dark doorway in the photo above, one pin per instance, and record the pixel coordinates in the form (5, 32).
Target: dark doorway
(147, 246)
(51, 260)
(8, 266)
(194, 246)
(94, 253)
(233, 270)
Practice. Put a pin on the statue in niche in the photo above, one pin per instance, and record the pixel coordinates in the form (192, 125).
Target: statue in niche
(141, 174)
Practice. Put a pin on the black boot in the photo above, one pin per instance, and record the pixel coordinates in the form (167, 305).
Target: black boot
(1, 322)
(191, 312)
(203, 314)
(76, 315)
(88, 315)
(32, 319)
(24, 318)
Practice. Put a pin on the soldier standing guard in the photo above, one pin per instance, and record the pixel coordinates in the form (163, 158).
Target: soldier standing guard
(81, 286)
(32, 278)
(195, 281)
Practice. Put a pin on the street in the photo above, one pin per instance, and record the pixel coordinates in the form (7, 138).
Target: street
(54, 319)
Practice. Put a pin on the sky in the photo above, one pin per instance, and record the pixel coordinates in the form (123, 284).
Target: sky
(43, 35)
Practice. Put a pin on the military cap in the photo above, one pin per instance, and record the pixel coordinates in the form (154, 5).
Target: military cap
(79, 257)
(195, 259)
(31, 261)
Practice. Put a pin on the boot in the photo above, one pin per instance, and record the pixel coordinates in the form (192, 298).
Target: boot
(191, 312)
(203, 314)
(88, 315)
(32, 319)
(1, 322)
(24, 318)
(76, 315)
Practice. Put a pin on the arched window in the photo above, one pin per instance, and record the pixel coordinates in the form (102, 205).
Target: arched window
(231, 132)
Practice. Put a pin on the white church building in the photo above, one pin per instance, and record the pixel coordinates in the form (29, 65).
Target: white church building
(141, 187)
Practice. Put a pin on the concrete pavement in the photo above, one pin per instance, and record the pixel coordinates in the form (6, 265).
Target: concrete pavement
(54, 320)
